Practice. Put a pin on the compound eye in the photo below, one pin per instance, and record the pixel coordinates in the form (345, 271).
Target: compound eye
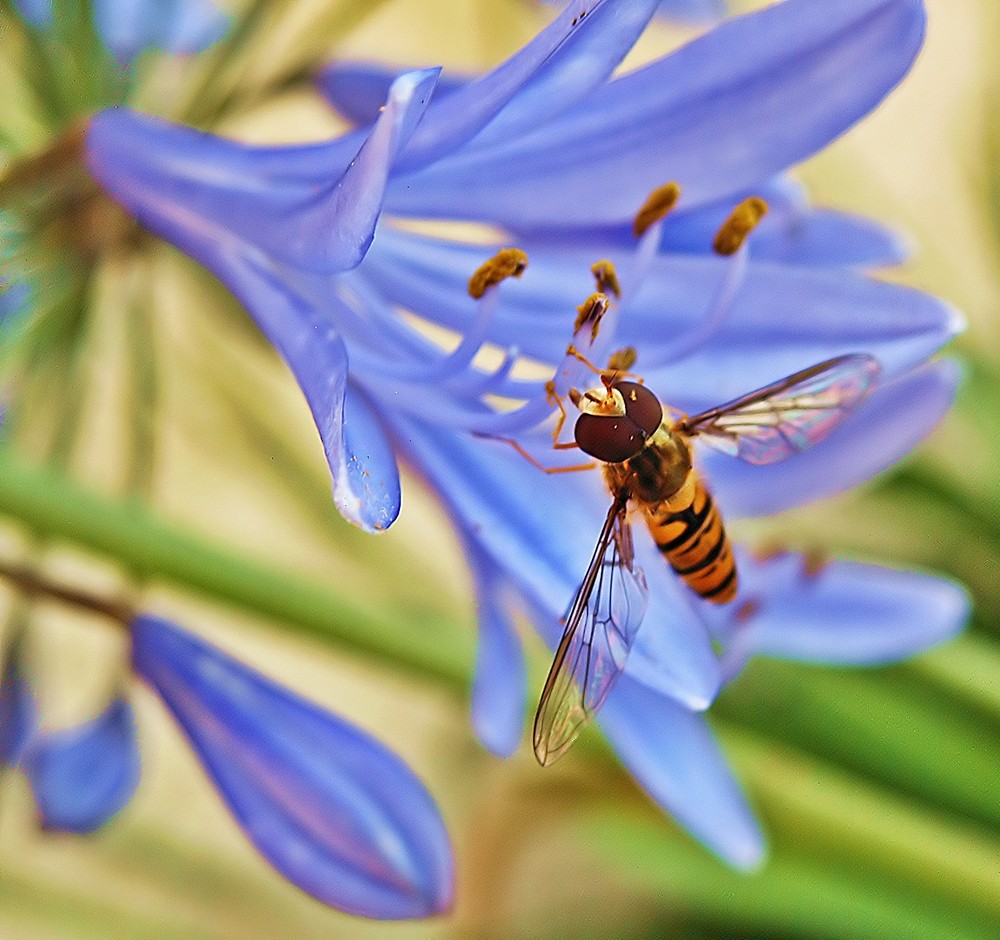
(609, 438)
(642, 407)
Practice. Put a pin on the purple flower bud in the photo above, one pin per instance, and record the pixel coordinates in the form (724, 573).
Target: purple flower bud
(335, 811)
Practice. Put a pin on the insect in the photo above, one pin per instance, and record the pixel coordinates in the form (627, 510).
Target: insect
(647, 462)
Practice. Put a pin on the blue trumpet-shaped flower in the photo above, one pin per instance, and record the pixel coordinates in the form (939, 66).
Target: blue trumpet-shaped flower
(550, 148)
(337, 813)
(553, 151)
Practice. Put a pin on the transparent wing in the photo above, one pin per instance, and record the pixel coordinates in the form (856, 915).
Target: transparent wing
(600, 627)
(787, 416)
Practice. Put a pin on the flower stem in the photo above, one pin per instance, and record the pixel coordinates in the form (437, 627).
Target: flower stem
(51, 505)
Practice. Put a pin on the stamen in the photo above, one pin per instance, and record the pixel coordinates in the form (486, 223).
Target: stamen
(735, 273)
(508, 262)
(606, 277)
(741, 222)
(658, 203)
(485, 383)
(621, 360)
(591, 312)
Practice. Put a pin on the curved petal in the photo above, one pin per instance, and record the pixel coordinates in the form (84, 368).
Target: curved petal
(733, 107)
(366, 482)
(357, 90)
(847, 613)
(500, 687)
(18, 713)
(336, 812)
(365, 477)
(294, 312)
(195, 189)
(898, 416)
(81, 777)
(672, 753)
(576, 52)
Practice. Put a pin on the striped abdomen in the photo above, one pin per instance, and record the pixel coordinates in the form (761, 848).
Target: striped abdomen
(694, 542)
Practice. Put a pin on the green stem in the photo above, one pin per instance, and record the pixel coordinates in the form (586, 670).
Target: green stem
(53, 506)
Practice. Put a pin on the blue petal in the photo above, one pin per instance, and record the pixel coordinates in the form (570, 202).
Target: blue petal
(357, 90)
(560, 66)
(693, 11)
(672, 753)
(689, 11)
(898, 416)
(847, 613)
(501, 683)
(732, 108)
(203, 192)
(18, 714)
(336, 812)
(366, 484)
(82, 777)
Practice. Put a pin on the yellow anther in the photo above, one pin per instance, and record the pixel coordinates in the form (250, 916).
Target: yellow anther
(606, 277)
(741, 222)
(507, 262)
(591, 311)
(658, 203)
(621, 360)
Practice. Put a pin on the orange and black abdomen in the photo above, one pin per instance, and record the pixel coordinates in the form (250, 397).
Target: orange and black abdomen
(694, 542)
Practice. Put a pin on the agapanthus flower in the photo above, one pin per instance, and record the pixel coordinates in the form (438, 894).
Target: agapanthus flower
(335, 811)
(128, 27)
(555, 153)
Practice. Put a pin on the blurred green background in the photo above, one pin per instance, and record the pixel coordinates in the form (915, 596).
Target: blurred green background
(879, 789)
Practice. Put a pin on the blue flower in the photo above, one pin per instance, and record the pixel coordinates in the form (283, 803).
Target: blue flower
(545, 146)
(129, 27)
(552, 151)
(336, 812)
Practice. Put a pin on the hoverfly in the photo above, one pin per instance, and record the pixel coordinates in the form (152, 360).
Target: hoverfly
(647, 463)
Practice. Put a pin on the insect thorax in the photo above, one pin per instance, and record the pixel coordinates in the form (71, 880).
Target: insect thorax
(657, 472)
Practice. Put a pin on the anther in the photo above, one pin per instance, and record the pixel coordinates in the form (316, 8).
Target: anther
(621, 360)
(606, 277)
(658, 203)
(591, 311)
(741, 222)
(508, 262)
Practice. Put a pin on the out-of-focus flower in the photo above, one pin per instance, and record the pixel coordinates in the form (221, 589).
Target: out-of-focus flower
(551, 150)
(336, 812)
(129, 27)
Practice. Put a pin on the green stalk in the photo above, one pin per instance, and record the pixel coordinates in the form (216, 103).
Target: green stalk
(50, 505)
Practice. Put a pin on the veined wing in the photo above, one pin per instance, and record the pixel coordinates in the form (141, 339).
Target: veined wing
(600, 627)
(787, 416)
